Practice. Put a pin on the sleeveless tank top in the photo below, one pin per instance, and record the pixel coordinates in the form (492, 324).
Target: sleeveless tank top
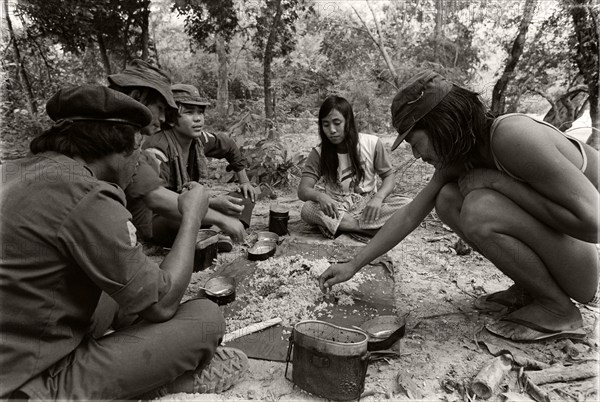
(574, 140)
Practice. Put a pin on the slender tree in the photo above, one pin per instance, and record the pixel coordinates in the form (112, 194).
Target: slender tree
(212, 24)
(498, 93)
(379, 42)
(587, 32)
(20, 63)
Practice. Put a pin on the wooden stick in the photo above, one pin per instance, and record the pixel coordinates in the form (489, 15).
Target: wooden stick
(250, 329)
(564, 374)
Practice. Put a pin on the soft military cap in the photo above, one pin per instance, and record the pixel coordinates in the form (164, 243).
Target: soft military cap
(188, 94)
(415, 99)
(140, 73)
(97, 103)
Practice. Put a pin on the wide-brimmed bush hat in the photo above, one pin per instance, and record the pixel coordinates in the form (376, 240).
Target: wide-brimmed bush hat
(140, 73)
(188, 95)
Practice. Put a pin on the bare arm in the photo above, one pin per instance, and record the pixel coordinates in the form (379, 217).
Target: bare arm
(373, 207)
(307, 192)
(306, 189)
(192, 205)
(553, 190)
(164, 202)
(387, 186)
(400, 225)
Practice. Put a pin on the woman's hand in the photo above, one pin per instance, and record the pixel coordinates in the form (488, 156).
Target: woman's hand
(371, 211)
(336, 273)
(477, 179)
(328, 206)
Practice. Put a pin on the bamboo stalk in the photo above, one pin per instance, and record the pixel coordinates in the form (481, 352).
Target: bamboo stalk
(250, 329)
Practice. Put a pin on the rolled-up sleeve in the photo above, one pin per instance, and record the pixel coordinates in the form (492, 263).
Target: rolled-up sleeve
(100, 237)
(221, 146)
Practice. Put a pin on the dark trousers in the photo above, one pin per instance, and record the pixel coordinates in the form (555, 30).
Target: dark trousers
(138, 357)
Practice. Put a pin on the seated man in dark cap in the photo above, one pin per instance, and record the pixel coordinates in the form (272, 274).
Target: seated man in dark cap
(67, 237)
(146, 195)
(182, 150)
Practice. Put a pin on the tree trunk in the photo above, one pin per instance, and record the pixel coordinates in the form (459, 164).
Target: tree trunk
(567, 108)
(498, 93)
(586, 24)
(439, 28)
(23, 77)
(380, 44)
(103, 53)
(145, 29)
(222, 77)
(268, 59)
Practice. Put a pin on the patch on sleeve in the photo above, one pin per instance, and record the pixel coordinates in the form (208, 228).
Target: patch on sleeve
(132, 234)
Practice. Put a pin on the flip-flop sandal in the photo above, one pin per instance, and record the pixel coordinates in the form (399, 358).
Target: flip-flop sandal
(360, 237)
(535, 332)
(484, 303)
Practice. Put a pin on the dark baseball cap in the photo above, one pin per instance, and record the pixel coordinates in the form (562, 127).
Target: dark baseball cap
(415, 99)
(97, 103)
(140, 73)
(188, 94)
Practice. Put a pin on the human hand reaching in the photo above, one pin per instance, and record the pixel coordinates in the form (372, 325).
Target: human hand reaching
(336, 273)
(228, 205)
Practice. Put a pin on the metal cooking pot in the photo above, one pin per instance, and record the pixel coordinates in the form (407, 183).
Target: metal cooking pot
(328, 360)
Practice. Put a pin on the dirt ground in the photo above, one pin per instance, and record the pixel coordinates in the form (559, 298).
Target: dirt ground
(443, 348)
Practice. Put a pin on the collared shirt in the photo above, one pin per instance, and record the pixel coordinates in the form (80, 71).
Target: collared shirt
(66, 236)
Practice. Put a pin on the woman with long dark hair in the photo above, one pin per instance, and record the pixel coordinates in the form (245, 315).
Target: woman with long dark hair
(349, 165)
(521, 192)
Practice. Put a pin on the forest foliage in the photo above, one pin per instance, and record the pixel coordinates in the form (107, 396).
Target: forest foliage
(267, 64)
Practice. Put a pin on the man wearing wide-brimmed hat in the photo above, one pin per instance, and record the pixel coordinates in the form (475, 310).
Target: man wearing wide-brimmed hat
(67, 237)
(182, 150)
(146, 195)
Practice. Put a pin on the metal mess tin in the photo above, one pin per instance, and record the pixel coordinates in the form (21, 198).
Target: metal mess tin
(384, 331)
(220, 289)
(328, 361)
(262, 250)
(268, 237)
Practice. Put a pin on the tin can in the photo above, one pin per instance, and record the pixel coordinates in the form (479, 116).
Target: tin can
(206, 249)
(278, 220)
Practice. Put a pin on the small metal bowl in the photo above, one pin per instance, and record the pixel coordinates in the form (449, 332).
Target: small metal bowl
(384, 331)
(262, 250)
(268, 237)
(220, 289)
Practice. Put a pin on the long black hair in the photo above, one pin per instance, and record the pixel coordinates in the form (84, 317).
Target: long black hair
(329, 159)
(89, 140)
(458, 126)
